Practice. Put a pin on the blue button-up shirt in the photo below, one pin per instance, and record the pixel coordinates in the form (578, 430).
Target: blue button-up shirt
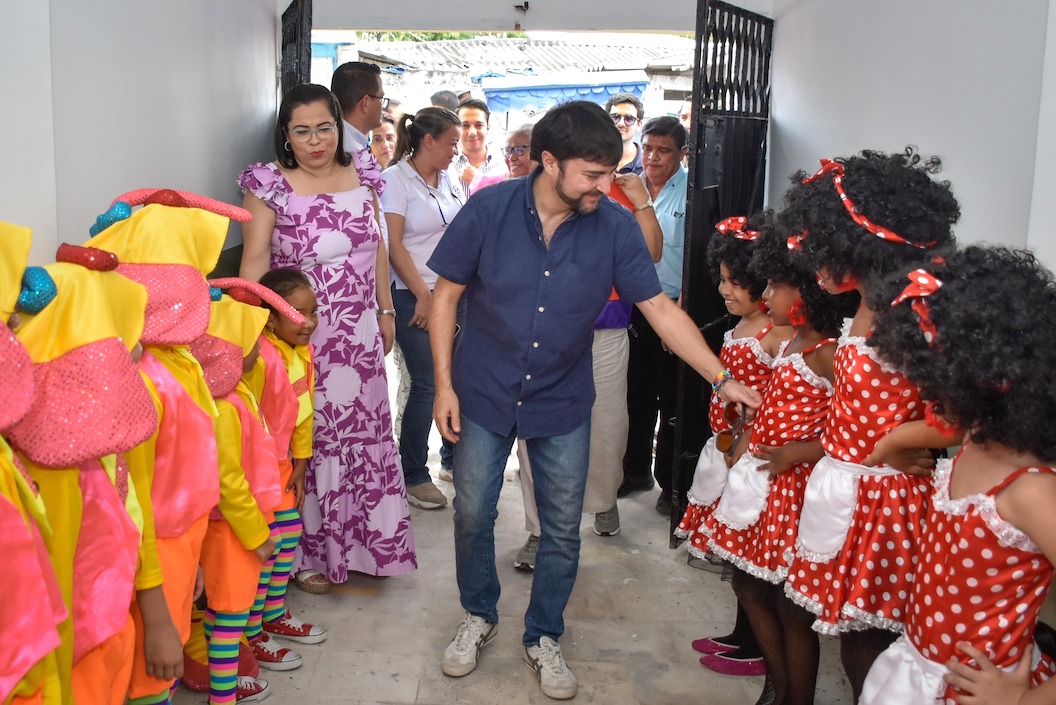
(670, 209)
(523, 360)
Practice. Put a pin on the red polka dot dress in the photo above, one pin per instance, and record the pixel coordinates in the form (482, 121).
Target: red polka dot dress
(756, 520)
(980, 580)
(854, 558)
(751, 365)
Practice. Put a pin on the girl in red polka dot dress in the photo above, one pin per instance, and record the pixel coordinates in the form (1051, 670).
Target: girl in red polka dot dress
(755, 520)
(747, 352)
(857, 221)
(987, 553)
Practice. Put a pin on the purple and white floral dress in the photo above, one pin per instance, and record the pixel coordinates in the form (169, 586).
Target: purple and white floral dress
(355, 510)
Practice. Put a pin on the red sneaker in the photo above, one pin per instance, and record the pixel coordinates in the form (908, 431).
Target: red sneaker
(274, 657)
(289, 627)
(251, 690)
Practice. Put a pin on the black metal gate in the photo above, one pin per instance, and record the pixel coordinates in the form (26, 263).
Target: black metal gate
(296, 44)
(727, 169)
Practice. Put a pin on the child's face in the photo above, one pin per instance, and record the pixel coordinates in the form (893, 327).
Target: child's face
(251, 359)
(303, 299)
(738, 300)
(780, 296)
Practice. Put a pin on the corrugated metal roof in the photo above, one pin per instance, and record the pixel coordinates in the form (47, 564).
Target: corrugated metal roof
(540, 56)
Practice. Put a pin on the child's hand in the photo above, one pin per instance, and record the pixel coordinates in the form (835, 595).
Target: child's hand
(777, 459)
(296, 484)
(912, 461)
(988, 684)
(163, 652)
(265, 550)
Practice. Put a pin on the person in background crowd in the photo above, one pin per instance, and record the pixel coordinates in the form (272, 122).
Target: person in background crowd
(383, 140)
(627, 112)
(475, 158)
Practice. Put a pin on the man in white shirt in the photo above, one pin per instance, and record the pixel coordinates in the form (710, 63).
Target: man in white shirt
(474, 160)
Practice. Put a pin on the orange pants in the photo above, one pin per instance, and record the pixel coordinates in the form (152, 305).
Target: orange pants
(231, 571)
(289, 499)
(101, 677)
(179, 558)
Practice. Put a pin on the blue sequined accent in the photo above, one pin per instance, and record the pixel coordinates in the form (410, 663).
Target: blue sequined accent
(215, 294)
(38, 290)
(117, 212)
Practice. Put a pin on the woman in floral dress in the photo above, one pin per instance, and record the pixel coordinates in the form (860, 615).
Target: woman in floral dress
(315, 209)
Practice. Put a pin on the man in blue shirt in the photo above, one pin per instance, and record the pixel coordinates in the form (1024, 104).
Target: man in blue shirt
(537, 259)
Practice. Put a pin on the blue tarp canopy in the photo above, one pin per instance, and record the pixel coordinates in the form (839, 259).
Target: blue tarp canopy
(538, 93)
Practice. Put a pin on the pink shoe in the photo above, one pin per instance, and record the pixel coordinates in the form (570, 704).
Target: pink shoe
(722, 663)
(707, 645)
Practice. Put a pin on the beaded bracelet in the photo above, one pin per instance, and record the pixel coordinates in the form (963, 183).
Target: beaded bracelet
(721, 379)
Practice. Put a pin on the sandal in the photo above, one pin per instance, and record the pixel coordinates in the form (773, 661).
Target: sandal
(312, 581)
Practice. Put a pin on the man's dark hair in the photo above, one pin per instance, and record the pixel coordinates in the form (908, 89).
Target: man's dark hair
(352, 81)
(621, 98)
(444, 99)
(475, 104)
(577, 130)
(666, 126)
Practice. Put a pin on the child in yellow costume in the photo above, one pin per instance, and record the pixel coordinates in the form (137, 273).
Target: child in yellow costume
(239, 539)
(168, 246)
(32, 607)
(90, 405)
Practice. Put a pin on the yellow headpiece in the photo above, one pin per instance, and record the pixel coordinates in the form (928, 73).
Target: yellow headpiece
(14, 254)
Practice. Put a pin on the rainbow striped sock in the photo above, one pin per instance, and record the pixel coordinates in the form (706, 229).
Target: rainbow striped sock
(288, 522)
(256, 612)
(223, 630)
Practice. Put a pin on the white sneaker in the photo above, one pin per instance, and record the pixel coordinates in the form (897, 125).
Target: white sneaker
(460, 656)
(556, 680)
(446, 474)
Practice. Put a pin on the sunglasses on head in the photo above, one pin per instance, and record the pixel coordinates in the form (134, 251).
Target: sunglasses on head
(726, 441)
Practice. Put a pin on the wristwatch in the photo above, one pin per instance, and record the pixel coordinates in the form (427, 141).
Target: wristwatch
(647, 204)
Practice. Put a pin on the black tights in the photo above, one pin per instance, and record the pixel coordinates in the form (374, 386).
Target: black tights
(788, 644)
(858, 650)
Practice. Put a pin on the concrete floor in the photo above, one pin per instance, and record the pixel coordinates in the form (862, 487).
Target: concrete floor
(635, 609)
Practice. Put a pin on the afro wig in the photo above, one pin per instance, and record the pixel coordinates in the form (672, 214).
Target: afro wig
(774, 261)
(736, 253)
(991, 364)
(894, 191)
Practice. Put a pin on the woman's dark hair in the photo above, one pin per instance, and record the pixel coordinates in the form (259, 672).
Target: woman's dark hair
(284, 281)
(387, 117)
(992, 363)
(412, 129)
(577, 130)
(894, 191)
(736, 254)
(306, 94)
(773, 261)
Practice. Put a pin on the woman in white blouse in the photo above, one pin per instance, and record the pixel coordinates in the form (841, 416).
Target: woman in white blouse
(419, 201)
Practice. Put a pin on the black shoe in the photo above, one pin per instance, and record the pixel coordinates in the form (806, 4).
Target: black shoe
(663, 503)
(632, 486)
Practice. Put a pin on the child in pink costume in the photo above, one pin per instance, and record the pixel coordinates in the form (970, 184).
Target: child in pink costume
(987, 553)
(756, 519)
(168, 246)
(32, 607)
(862, 518)
(89, 406)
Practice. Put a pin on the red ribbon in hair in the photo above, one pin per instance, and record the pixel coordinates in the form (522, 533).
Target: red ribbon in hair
(836, 169)
(795, 242)
(735, 226)
(922, 284)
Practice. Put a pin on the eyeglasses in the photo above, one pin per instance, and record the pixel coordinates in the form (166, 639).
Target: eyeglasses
(303, 134)
(518, 150)
(383, 99)
(726, 441)
(628, 120)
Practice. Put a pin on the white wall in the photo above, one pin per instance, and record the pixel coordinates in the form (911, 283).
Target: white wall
(488, 15)
(960, 80)
(134, 94)
(1041, 235)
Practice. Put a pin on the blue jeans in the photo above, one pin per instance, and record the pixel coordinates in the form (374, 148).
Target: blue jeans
(559, 468)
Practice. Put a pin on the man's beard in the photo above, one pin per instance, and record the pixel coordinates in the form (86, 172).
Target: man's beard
(576, 204)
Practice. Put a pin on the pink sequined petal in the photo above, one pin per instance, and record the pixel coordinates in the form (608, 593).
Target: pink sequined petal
(16, 379)
(221, 362)
(177, 302)
(193, 200)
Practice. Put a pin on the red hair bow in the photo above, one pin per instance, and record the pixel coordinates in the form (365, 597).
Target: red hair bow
(921, 285)
(735, 226)
(828, 166)
(795, 242)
